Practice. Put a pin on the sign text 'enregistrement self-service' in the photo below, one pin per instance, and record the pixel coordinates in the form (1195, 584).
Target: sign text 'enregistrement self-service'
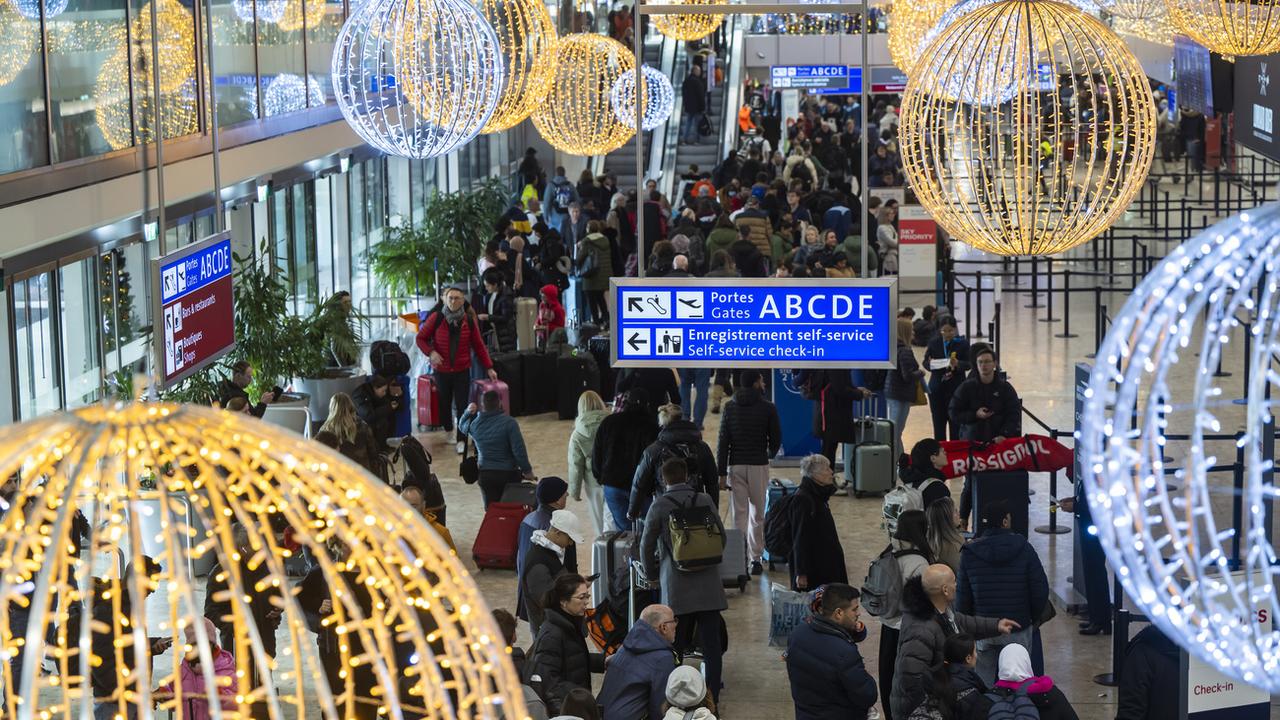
(742, 322)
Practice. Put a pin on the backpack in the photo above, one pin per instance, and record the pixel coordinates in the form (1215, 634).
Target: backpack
(388, 359)
(900, 499)
(696, 539)
(1013, 706)
(882, 588)
(562, 197)
(778, 529)
(683, 451)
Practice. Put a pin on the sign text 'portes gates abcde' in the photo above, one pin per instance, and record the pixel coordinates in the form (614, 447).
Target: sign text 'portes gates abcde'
(748, 322)
(194, 313)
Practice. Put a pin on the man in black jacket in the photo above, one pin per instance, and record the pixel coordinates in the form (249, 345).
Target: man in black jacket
(619, 444)
(678, 438)
(694, 95)
(985, 407)
(377, 401)
(817, 558)
(1001, 576)
(1150, 669)
(827, 676)
(750, 435)
(234, 387)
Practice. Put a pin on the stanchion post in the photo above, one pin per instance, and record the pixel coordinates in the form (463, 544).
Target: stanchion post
(1048, 291)
(1053, 528)
(1097, 322)
(1066, 306)
(1035, 283)
(978, 325)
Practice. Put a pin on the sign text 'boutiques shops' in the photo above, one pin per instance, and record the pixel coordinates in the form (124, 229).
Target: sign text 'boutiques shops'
(739, 322)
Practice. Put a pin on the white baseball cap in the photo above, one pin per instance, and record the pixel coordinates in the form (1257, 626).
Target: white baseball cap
(568, 523)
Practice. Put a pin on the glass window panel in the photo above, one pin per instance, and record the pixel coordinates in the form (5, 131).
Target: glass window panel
(320, 38)
(123, 293)
(38, 382)
(280, 59)
(280, 228)
(236, 76)
(175, 36)
(23, 135)
(78, 307)
(304, 247)
(359, 232)
(82, 40)
(325, 251)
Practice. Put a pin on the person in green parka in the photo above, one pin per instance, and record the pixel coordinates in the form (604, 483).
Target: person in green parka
(594, 260)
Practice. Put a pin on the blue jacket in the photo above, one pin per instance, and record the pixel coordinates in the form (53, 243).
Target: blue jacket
(828, 680)
(499, 444)
(635, 682)
(1001, 577)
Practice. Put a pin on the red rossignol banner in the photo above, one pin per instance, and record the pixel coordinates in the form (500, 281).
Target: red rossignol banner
(1035, 453)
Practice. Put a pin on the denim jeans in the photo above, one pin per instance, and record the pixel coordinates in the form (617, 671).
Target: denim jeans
(898, 411)
(689, 127)
(617, 500)
(692, 380)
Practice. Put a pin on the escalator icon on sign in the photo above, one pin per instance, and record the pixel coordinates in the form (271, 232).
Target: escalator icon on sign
(670, 341)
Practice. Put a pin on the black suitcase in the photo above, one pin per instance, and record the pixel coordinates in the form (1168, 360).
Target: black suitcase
(599, 348)
(523, 493)
(574, 376)
(510, 370)
(539, 390)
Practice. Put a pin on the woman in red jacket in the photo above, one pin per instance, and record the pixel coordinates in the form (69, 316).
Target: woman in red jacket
(448, 337)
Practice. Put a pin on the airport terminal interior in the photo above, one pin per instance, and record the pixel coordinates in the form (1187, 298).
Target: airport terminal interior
(913, 360)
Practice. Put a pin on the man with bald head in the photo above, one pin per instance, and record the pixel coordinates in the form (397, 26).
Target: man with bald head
(928, 619)
(635, 682)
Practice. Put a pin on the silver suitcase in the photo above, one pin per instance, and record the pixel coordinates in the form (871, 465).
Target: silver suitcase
(608, 553)
(735, 567)
(872, 466)
(526, 317)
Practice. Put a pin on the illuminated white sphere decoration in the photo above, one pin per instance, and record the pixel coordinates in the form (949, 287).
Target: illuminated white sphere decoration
(287, 93)
(31, 8)
(103, 489)
(417, 78)
(658, 97)
(1170, 548)
(267, 11)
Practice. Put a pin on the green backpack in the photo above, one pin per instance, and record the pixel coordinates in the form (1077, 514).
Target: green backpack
(697, 540)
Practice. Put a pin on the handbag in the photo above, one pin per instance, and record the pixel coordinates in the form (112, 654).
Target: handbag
(1048, 613)
(922, 397)
(588, 266)
(704, 125)
(469, 468)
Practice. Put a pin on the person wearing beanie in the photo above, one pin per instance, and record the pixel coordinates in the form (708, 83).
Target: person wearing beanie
(545, 561)
(687, 696)
(552, 494)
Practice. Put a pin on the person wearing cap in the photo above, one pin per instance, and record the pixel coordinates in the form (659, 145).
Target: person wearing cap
(635, 682)
(552, 494)
(687, 697)
(545, 561)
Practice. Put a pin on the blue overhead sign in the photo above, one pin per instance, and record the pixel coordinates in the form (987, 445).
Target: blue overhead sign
(810, 77)
(852, 87)
(745, 322)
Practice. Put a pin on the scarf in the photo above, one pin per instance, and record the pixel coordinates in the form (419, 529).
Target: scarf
(540, 538)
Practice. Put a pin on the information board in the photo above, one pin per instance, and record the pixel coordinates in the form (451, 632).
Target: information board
(194, 317)
(1208, 694)
(748, 322)
(1256, 103)
(853, 88)
(888, 80)
(809, 77)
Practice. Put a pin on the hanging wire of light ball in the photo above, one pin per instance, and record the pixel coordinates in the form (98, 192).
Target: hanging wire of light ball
(296, 12)
(1229, 27)
(1027, 128)
(657, 95)
(417, 78)
(1199, 566)
(266, 10)
(18, 43)
(687, 27)
(131, 527)
(287, 93)
(909, 23)
(527, 35)
(30, 9)
(577, 116)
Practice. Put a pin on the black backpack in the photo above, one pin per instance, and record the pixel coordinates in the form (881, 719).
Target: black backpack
(778, 529)
(388, 359)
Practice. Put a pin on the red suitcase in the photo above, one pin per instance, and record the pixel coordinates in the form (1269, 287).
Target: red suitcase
(480, 387)
(428, 403)
(498, 539)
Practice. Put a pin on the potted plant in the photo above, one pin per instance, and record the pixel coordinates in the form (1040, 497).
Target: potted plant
(334, 330)
(275, 342)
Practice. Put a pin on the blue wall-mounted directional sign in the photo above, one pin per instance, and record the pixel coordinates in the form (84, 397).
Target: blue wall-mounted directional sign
(743, 322)
(810, 77)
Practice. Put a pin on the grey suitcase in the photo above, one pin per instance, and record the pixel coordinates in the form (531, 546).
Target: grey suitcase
(735, 567)
(872, 466)
(526, 317)
(608, 553)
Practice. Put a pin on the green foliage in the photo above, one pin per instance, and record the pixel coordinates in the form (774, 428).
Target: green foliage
(336, 326)
(118, 318)
(453, 232)
(276, 343)
(199, 388)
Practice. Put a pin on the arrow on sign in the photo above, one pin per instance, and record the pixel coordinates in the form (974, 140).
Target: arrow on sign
(633, 304)
(634, 341)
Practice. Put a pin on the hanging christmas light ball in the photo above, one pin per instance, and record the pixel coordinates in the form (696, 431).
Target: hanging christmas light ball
(526, 33)
(143, 552)
(1195, 556)
(125, 121)
(417, 78)
(909, 23)
(1229, 27)
(18, 42)
(267, 10)
(31, 8)
(296, 12)
(287, 93)
(175, 39)
(577, 116)
(1134, 9)
(658, 97)
(993, 151)
(688, 27)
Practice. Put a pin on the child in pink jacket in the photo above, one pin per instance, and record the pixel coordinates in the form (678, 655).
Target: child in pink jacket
(195, 698)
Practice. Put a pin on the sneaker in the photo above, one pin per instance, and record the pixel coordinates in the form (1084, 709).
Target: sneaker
(756, 567)
(462, 446)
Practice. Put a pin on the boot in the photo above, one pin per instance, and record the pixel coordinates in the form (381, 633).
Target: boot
(717, 394)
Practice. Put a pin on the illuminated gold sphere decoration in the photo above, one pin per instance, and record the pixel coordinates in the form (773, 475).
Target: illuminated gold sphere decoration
(176, 41)
(18, 43)
(995, 154)
(1229, 27)
(687, 27)
(909, 22)
(577, 116)
(526, 34)
(387, 622)
(295, 11)
(112, 107)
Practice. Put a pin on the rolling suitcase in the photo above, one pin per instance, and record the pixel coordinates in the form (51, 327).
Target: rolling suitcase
(428, 404)
(496, 543)
(539, 371)
(480, 387)
(522, 493)
(778, 489)
(511, 372)
(735, 568)
(609, 553)
(871, 464)
(599, 348)
(574, 375)
(526, 315)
